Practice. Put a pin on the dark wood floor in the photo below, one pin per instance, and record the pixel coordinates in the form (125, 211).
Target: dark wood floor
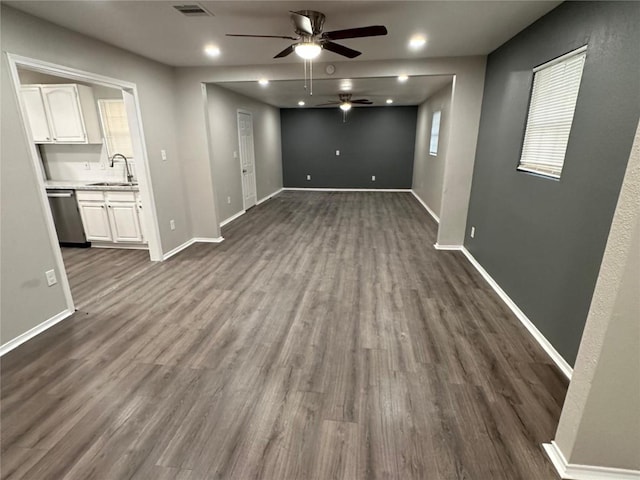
(324, 339)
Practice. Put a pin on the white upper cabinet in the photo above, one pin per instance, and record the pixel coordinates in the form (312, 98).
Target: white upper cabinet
(67, 111)
(36, 114)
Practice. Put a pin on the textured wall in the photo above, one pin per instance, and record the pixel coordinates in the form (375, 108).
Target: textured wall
(373, 141)
(542, 240)
(428, 170)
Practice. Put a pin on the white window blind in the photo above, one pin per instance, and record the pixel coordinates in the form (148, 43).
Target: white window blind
(115, 127)
(553, 102)
(435, 133)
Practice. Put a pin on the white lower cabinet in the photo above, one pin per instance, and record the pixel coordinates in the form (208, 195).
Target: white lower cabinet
(111, 216)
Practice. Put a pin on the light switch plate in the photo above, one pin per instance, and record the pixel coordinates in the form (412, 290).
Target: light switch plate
(172, 224)
(163, 154)
(337, 153)
(308, 177)
(51, 277)
(373, 178)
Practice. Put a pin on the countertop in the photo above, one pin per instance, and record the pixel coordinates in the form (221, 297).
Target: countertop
(79, 185)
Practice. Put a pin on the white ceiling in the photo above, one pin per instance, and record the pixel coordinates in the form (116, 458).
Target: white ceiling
(287, 93)
(155, 30)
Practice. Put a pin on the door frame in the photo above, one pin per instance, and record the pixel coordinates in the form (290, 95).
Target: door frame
(255, 183)
(132, 105)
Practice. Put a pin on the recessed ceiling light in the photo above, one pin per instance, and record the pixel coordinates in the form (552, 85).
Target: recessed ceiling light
(212, 50)
(389, 101)
(263, 81)
(301, 103)
(346, 85)
(403, 78)
(417, 41)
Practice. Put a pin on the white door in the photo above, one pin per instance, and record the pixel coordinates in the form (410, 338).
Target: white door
(124, 222)
(95, 221)
(36, 115)
(63, 110)
(247, 159)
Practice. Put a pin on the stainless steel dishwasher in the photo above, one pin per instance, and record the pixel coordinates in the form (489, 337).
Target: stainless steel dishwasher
(66, 217)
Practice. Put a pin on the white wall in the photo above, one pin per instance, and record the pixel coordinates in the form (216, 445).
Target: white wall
(223, 106)
(600, 420)
(428, 170)
(26, 251)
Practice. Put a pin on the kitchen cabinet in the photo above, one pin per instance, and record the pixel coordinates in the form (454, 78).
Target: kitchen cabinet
(111, 216)
(61, 113)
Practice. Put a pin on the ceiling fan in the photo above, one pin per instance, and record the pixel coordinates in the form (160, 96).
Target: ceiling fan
(311, 40)
(345, 103)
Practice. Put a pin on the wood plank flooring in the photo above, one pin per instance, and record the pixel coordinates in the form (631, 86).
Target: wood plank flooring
(325, 338)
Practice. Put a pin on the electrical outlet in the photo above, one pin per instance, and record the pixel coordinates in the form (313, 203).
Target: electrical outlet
(228, 199)
(172, 224)
(473, 232)
(163, 154)
(87, 166)
(373, 178)
(308, 177)
(337, 153)
(51, 277)
(235, 154)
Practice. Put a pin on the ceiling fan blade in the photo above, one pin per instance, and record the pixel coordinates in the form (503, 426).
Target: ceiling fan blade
(362, 101)
(328, 103)
(341, 50)
(302, 22)
(261, 36)
(372, 31)
(285, 52)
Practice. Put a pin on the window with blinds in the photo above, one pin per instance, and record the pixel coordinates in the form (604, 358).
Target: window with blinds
(435, 133)
(115, 127)
(553, 102)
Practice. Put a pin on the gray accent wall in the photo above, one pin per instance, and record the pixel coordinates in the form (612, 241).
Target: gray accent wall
(376, 141)
(223, 105)
(428, 170)
(541, 239)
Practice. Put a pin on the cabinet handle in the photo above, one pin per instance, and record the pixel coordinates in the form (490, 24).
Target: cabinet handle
(101, 206)
(109, 206)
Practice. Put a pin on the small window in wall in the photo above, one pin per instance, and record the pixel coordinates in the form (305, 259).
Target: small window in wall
(435, 133)
(553, 102)
(115, 127)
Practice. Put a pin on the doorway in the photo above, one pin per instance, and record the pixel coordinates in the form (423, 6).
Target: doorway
(128, 94)
(247, 159)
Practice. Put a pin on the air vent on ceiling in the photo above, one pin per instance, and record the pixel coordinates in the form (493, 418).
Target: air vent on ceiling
(193, 10)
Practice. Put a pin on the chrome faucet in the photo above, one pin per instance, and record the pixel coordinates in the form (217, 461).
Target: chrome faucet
(126, 165)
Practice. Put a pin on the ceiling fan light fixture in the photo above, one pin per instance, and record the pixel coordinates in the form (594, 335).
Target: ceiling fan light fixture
(307, 50)
(345, 106)
(301, 103)
(389, 101)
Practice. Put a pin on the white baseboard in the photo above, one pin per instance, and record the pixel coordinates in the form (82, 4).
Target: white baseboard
(562, 364)
(38, 329)
(271, 195)
(426, 207)
(188, 243)
(120, 246)
(572, 471)
(437, 246)
(232, 218)
(208, 239)
(403, 190)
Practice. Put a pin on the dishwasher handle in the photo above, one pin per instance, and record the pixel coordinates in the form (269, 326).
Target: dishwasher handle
(59, 195)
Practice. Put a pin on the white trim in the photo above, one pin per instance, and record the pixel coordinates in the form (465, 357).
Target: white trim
(232, 218)
(38, 329)
(208, 239)
(437, 246)
(561, 363)
(13, 61)
(190, 242)
(404, 190)
(573, 471)
(561, 58)
(271, 195)
(120, 246)
(426, 207)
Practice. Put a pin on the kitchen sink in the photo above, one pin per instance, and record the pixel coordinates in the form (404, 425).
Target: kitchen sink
(113, 184)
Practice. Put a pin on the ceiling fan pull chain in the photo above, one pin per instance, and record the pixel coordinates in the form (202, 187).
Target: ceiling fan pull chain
(305, 74)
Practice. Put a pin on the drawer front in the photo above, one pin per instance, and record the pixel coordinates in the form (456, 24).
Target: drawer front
(116, 196)
(90, 195)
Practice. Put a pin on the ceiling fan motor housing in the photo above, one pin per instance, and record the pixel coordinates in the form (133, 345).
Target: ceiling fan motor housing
(317, 22)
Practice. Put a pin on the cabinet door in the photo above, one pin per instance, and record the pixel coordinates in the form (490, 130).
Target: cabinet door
(36, 114)
(124, 222)
(63, 108)
(95, 221)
